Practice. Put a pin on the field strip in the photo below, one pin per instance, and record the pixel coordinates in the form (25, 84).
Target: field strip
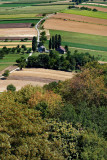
(14, 46)
(80, 18)
(73, 26)
(87, 49)
(12, 43)
(92, 7)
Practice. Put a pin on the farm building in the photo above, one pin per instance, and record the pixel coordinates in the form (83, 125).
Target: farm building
(41, 49)
(61, 50)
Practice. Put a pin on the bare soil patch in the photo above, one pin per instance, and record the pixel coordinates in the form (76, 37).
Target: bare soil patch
(80, 18)
(58, 24)
(34, 77)
(18, 32)
(16, 25)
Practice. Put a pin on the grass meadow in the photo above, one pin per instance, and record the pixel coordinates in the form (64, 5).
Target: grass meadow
(10, 59)
(98, 14)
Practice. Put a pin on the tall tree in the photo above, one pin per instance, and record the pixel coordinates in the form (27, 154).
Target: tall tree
(53, 42)
(34, 43)
(50, 43)
(56, 41)
(59, 41)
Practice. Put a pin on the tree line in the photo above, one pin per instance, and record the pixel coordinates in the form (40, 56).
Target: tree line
(55, 42)
(15, 50)
(57, 61)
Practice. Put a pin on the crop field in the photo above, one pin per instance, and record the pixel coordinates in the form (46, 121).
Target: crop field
(73, 26)
(35, 77)
(79, 40)
(80, 18)
(17, 16)
(98, 14)
(18, 32)
(19, 21)
(32, 9)
(102, 9)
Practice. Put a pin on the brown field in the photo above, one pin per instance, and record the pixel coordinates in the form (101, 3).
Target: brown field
(34, 77)
(16, 25)
(98, 8)
(80, 18)
(14, 44)
(58, 24)
(18, 32)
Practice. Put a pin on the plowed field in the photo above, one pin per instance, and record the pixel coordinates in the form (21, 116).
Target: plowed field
(80, 18)
(58, 24)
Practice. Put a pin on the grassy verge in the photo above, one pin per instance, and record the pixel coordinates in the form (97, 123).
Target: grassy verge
(98, 14)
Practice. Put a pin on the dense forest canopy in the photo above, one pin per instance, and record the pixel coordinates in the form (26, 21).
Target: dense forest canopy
(64, 120)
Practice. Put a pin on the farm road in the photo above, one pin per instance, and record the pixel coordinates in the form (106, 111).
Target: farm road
(37, 27)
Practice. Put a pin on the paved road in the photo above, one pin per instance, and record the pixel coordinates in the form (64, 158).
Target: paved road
(37, 27)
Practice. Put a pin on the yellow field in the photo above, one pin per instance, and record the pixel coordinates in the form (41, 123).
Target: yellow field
(18, 32)
(15, 16)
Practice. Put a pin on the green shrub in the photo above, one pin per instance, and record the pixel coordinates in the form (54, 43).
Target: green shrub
(11, 87)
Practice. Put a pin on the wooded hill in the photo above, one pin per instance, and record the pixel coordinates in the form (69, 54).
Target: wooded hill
(61, 121)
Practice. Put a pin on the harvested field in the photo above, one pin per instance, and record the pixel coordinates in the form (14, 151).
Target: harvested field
(34, 77)
(80, 18)
(11, 46)
(18, 32)
(16, 25)
(15, 38)
(57, 24)
(92, 7)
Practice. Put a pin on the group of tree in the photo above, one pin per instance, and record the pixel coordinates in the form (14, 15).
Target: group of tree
(15, 50)
(43, 37)
(55, 42)
(57, 61)
(82, 8)
(60, 121)
(79, 1)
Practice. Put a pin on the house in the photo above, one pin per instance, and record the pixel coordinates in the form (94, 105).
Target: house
(61, 50)
(41, 49)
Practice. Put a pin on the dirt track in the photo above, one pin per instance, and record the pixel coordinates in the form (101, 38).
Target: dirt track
(58, 24)
(80, 18)
(34, 77)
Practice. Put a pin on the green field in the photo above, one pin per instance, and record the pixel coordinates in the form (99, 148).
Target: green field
(84, 42)
(32, 9)
(19, 21)
(98, 14)
(10, 59)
